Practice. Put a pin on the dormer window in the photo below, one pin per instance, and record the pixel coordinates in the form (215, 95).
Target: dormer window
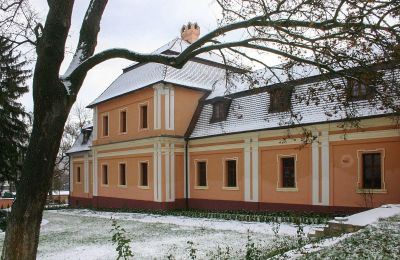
(280, 100)
(220, 110)
(86, 135)
(359, 89)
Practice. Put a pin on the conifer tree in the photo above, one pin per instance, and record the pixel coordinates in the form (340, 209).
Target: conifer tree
(13, 118)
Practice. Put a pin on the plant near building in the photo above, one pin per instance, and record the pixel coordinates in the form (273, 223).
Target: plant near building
(192, 250)
(120, 240)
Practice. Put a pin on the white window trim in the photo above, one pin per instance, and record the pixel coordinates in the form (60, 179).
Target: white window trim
(120, 123)
(359, 188)
(102, 173)
(224, 173)
(196, 186)
(140, 105)
(119, 174)
(279, 173)
(140, 175)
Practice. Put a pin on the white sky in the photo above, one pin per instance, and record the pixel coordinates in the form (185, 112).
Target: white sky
(134, 24)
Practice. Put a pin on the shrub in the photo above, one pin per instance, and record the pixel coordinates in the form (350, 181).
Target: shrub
(119, 239)
(8, 195)
(3, 220)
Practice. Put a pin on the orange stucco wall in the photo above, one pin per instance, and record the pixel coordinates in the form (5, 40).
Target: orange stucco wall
(186, 101)
(131, 103)
(344, 171)
(79, 186)
(132, 189)
(269, 160)
(215, 175)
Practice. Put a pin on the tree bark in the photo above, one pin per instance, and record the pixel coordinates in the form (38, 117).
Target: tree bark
(51, 109)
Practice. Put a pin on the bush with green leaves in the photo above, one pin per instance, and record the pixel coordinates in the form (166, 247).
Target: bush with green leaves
(121, 241)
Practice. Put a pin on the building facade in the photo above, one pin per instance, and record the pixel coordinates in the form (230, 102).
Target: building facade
(175, 138)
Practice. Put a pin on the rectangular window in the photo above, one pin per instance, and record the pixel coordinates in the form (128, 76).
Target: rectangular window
(288, 173)
(105, 125)
(372, 171)
(201, 174)
(122, 174)
(122, 121)
(280, 100)
(104, 179)
(230, 180)
(220, 110)
(143, 116)
(144, 180)
(78, 174)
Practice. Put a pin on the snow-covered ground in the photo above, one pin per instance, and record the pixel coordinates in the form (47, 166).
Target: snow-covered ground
(86, 234)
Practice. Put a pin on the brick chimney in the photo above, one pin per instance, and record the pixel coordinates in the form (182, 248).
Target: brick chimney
(190, 32)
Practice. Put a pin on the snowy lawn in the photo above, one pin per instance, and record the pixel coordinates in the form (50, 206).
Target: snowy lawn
(380, 240)
(86, 234)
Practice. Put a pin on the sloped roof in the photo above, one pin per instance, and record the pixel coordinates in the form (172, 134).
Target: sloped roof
(195, 74)
(249, 111)
(80, 145)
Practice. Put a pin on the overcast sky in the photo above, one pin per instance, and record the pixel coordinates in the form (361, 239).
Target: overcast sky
(134, 24)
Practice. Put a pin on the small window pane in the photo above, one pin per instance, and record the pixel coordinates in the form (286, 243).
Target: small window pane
(105, 174)
(372, 175)
(143, 175)
(123, 121)
(105, 125)
(202, 174)
(288, 174)
(122, 174)
(78, 174)
(231, 173)
(143, 115)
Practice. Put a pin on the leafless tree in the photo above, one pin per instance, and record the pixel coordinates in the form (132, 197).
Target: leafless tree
(328, 35)
(79, 119)
(18, 22)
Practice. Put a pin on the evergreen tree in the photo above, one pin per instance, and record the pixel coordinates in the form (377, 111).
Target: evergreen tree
(13, 118)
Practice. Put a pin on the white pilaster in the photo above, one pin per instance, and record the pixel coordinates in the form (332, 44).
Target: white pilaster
(155, 172)
(157, 105)
(166, 109)
(86, 173)
(159, 173)
(172, 156)
(94, 123)
(315, 172)
(71, 174)
(325, 168)
(167, 172)
(95, 185)
(255, 177)
(247, 168)
(172, 109)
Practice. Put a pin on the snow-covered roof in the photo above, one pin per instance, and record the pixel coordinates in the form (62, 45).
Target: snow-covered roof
(194, 74)
(178, 45)
(83, 142)
(249, 111)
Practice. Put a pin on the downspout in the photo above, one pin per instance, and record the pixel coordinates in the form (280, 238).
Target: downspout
(69, 181)
(186, 174)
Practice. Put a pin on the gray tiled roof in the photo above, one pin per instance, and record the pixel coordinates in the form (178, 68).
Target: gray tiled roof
(250, 112)
(79, 146)
(194, 74)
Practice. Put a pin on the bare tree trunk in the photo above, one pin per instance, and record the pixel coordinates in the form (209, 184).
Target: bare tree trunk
(23, 228)
(51, 107)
